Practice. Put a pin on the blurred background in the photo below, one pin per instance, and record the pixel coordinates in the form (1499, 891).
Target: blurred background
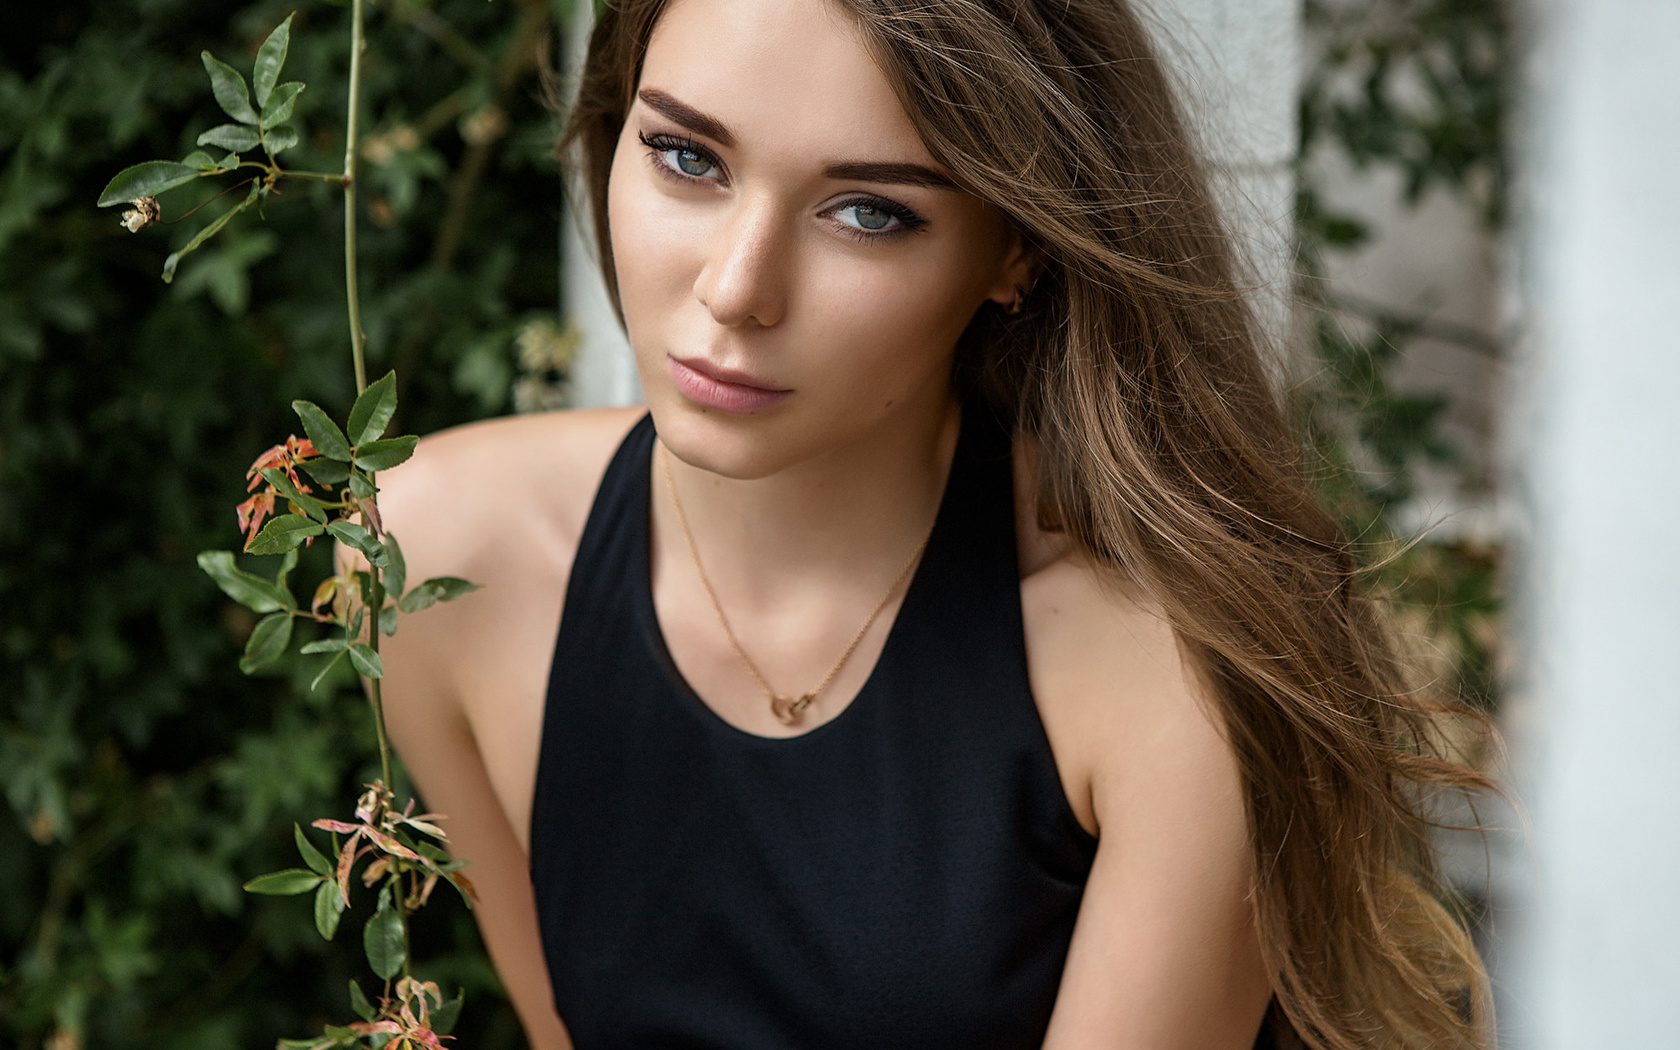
(1459, 220)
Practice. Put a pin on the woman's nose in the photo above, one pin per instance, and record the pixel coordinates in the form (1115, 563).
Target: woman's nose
(745, 276)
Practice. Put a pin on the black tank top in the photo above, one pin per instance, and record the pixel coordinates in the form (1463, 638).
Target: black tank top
(905, 875)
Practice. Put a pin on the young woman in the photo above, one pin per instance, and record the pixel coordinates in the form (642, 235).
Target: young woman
(953, 656)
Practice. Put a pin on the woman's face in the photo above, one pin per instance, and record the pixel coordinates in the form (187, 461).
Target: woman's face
(793, 266)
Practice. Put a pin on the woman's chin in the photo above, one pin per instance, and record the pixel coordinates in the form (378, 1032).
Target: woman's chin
(743, 446)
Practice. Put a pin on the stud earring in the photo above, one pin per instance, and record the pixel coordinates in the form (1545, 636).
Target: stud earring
(1020, 301)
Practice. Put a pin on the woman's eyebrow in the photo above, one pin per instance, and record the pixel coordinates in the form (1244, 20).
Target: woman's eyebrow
(682, 113)
(904, 174)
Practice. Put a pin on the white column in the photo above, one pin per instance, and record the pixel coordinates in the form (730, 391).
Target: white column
(1598, 734)
(604, 372)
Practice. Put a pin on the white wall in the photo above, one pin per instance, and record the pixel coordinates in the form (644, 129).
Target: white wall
(1239, 63)
(1598, 735)
(1238, 68)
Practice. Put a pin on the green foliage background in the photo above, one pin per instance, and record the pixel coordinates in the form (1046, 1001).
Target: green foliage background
(144, 777)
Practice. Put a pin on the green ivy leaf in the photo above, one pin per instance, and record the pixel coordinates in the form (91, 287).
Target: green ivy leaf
(361, 539)
(366, 660)
(267, 642)
(229, 88)
(270, 57)
(278, 109)
(326, 669)
(383, 455)
(146, 180)
(437, 589)
(447, 1013)
(313, 857)
(382, 940)
(284, 533)
(234, 137)
(208, 232)
(283, 137)
(372, 412)
(322, 431)
(396, 573)
(325, 645)
(287, 563)
(327, 471)
(286, 883)
(253, 592)
(283, 484)
(329, 908)
(359, 1002)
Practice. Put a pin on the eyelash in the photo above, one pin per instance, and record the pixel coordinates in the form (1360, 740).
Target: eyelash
(659, 144)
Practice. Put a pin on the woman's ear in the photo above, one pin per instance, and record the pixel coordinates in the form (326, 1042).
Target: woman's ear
(1021, 263)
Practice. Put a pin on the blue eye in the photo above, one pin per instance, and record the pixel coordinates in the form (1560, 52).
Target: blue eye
(688, 162)
(876, 217)
(681, 157)
(869, 217)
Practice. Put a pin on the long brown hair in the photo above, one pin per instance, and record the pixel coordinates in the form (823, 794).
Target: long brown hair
(1136, 372)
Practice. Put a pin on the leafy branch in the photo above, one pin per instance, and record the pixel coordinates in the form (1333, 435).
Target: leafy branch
(326, 482)
(264, 126)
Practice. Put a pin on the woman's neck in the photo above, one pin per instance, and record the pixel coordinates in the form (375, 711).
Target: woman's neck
(834, 521)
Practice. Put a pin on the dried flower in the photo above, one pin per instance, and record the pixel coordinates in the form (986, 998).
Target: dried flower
(146, 211)
(546, 351)
(483, 125)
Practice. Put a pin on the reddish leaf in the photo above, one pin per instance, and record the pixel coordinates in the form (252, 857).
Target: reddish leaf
(389, 844)
(423, 824)
(372, 873)
(252, 512)
(464, 884)
(327, 592)
(340, 826)
(346, 857)
(423, 1037)
(274, 457)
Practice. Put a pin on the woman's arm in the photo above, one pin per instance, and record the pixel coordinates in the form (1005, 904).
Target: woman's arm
(1165, 954)
(503, 505)
(438, 749)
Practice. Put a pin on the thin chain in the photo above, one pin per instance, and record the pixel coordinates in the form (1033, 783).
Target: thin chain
(788, 710)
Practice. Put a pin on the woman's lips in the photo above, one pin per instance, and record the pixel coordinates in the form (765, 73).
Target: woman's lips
(724, 389)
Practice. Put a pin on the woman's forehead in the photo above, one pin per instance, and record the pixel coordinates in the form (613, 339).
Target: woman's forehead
(781, 73)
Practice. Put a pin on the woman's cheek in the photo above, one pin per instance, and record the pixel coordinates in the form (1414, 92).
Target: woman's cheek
(912, 309)
(651, 254)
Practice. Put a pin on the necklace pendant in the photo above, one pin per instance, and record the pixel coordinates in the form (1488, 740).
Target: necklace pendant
(788, 710)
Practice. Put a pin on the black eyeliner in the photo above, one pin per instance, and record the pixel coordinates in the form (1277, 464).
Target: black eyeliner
(908, 220)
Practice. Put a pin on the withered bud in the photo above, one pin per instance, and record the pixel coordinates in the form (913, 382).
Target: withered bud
(145, 212)
(483, 125)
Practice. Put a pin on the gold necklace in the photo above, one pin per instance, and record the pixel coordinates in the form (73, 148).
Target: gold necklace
(787, 709)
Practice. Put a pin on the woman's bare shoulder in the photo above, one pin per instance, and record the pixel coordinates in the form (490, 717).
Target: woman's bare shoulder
(1126, 707)
(477, 493)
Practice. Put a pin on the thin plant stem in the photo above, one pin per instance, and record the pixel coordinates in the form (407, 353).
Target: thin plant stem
(317, 176)
(375, 698)
(351, 143)
(352, 126)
